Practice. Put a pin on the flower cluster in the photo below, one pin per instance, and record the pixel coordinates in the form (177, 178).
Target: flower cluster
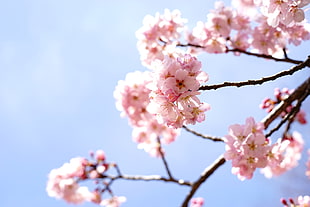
(284, 155)
(63, 182)
(287, 12)
(212, 36)
(197, 202)
(165, 28)
(281, 95)
(247, 147)
(174, 93)
(132, 99)
(226, 27)
(301, 201)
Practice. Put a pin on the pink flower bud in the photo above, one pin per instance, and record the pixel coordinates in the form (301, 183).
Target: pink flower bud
(100, 155)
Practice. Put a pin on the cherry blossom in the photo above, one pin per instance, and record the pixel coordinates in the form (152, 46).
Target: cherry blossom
(62, 182)
(115, 201)
(284, 155)
(156, 30)
(308, 165)
(247, 147)
(197, 202)
(174, 97)
(287, 12)
(132, 97)
(301, 201)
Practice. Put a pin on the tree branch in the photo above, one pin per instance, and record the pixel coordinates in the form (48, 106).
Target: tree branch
(148, 178)
(270, 57)
(215, 139)
(164, 159)
(205, 174)
(299, 94)
(285, 59)
(290, 71)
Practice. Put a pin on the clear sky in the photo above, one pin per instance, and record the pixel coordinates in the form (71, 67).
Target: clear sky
(59, 64)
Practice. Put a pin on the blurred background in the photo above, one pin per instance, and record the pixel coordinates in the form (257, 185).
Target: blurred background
(59, 64)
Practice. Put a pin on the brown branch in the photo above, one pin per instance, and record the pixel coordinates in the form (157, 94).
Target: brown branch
(215, 139)
(148, 178)
(164, 159)
(285, 59)
(302, 91)
(205, 174)
(270, 57)
(290, 71)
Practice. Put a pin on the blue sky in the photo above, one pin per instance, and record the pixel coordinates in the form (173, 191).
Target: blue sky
(59, 64)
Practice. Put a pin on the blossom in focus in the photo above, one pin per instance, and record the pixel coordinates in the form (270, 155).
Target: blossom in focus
(174, 97)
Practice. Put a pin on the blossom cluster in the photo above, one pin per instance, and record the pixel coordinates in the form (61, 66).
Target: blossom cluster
(160, 101)
(301, 201)
(63, 182)
(275, 27)
(174, 93)
(286, 12)
(163, 28)
(248, 148)
(132, 99)
(281, 95)
(230, 28)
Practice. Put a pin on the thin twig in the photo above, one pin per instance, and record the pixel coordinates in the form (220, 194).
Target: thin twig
(290, 71)
(164, 159)
(285, 59)
(291, 115)
(287, 117)
(205, 174)
(149, 178)
(215, 139)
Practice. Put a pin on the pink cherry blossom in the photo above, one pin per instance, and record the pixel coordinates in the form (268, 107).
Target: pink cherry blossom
(158, 34)
(173, 99)
(247, 147)
(197, 202)
(62, 182)
(134, 99)
(288, 12)
(308, 165)
(132, 96)
(114, 201)
(284, 155)
(297, 33)
(301, 201)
